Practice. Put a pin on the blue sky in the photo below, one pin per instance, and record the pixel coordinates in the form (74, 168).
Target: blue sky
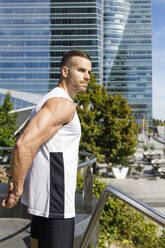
(158, 59)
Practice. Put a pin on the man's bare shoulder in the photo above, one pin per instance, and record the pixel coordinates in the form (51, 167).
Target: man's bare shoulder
(60, 102)
(60, 107)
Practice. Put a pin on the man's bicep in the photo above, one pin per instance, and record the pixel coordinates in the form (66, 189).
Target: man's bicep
(53, 115)
(40, 129)
(61, 109)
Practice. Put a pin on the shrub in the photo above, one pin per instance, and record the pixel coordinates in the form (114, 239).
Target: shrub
(79, 181)
(152, 147)
(145, 148)
(119, 222)
(7, 124)
(3, 175)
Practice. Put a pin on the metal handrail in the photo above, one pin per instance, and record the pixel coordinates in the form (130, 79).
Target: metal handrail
(153, 214)
(90, 161)
(91, 157)
(6, 148)
(159, 139)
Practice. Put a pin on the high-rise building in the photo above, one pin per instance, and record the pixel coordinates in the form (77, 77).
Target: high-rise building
(34, 35)
(24, 46)
(76, 24)
(128, 53)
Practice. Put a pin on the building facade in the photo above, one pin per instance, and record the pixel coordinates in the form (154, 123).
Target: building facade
(128, 53)
(34, 35)
(76, 24)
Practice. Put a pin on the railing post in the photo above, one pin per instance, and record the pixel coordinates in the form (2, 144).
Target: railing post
(94, 219)
(88, 190)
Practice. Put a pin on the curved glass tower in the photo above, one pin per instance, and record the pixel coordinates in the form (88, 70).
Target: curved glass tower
(128, 53)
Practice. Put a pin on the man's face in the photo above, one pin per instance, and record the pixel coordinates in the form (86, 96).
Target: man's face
(78, 74)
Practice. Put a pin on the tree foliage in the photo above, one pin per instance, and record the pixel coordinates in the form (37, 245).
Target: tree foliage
(118, 138)
(7, 123)
(90, 108)
(157, 122)
(108, 127)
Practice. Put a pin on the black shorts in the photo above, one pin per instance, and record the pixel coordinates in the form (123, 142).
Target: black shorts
(53, 233)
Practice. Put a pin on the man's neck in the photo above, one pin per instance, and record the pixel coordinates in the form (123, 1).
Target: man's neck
(64, 86)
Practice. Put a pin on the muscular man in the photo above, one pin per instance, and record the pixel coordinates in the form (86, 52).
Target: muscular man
(45, 157)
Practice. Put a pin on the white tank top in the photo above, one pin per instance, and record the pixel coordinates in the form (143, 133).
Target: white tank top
(50, 184)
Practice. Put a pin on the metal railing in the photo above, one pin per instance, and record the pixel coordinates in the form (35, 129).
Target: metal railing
(153, 214)
(6, 148)
(159, 139)
(91, 159)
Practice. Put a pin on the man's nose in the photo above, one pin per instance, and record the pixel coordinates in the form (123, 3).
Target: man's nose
(87, 76)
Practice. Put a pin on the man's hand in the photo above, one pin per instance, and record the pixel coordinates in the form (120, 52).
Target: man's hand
(11, 197)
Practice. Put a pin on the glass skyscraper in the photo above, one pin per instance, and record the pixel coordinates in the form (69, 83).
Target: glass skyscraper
(128, 53)
(76, 24)
(34, 35)
(24, 46)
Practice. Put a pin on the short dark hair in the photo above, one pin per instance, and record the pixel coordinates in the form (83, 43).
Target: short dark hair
(73, 53)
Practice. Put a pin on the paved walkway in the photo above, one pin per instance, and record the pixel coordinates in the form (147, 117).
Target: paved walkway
(14, 233)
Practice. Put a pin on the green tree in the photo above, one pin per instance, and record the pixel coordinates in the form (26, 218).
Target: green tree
(118, 139)
(157, 122)
(90, 108)
(108, 127)
(7, 123)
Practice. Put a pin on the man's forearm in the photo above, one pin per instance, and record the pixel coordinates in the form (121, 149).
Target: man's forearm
(21, 161)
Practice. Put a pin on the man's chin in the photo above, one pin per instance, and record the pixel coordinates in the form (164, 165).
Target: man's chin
(81, 91)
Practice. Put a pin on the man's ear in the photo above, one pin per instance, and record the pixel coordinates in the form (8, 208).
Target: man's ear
(64, 71)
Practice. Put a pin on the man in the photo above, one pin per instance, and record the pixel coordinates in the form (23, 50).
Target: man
(45, 157)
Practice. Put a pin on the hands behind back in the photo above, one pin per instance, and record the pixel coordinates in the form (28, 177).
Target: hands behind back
(11, 197)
